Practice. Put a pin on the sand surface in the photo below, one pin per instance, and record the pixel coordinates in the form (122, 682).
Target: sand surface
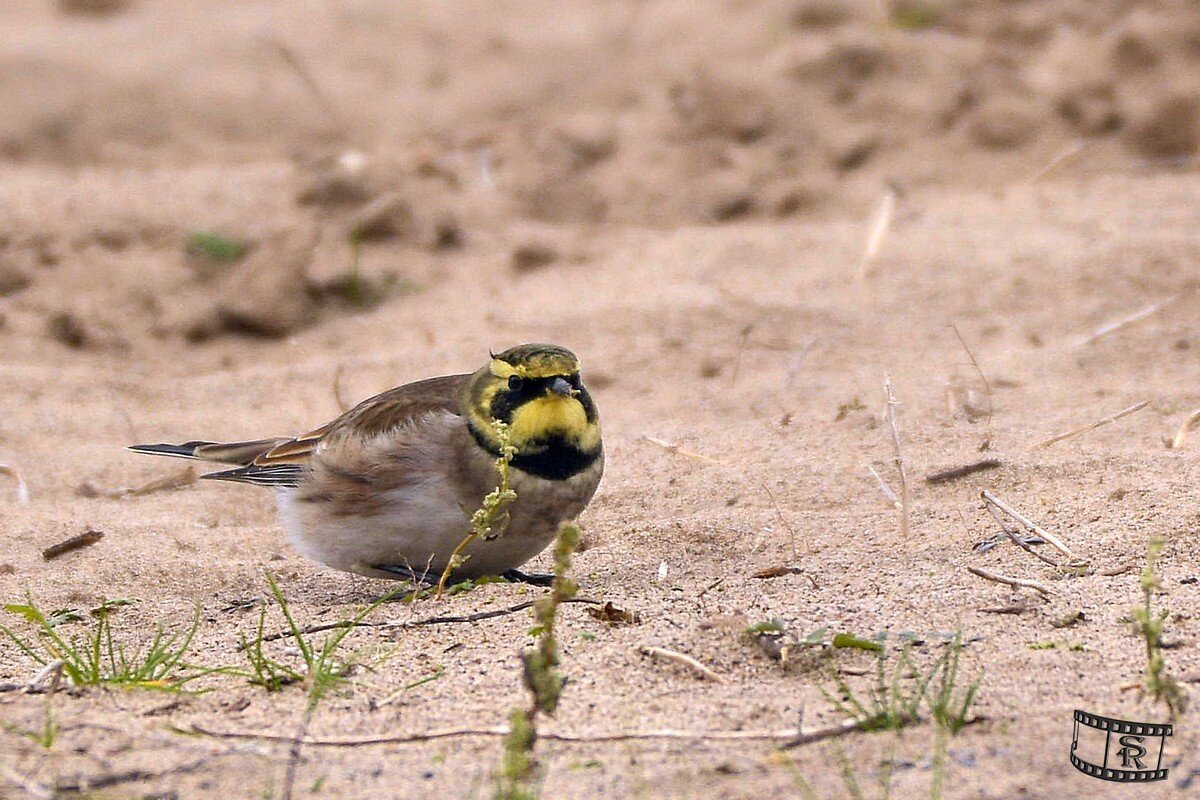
(684, 198)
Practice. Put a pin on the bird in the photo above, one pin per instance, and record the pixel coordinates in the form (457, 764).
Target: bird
(388, 488)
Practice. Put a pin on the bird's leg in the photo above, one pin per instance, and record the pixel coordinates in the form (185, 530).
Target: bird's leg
(532, 578)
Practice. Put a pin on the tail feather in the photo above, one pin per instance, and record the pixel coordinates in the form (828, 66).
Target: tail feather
(240, 453)
(272, 475)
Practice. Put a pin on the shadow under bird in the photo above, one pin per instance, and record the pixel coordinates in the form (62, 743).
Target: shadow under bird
(388, 488)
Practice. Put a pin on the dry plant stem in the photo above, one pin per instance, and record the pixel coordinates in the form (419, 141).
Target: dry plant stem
(1184, 429)
(185, 477)
(490, 520)
(879, 232)
(1118, 324)
(15, 474)
(887, 490)
(905, 489)
(293, 762)
(1027, 523)
(830, 732)
(455, 733)
(791, 531)
(289, 57)
(338, 398)
(674, 448)
(1063, 156)
(86, 539)
(737, 359)
(681, 658)
(954, 473)
(127, 776)
(439, 620)
(987, 385)
(176, 480)
(1019, 582)
(1017, 540)
(47, 678)
(31, 789)
(1111, 418)
(455, 557)
(710, 587)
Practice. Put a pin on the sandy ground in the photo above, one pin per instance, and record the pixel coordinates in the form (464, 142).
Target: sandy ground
(684, 200)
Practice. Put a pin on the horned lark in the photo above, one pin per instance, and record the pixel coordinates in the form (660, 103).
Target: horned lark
(388, 488)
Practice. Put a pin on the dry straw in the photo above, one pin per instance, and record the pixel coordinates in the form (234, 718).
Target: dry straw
(1091, 426)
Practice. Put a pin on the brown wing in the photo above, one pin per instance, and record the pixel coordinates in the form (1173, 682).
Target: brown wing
(373, 416)
(284, 462)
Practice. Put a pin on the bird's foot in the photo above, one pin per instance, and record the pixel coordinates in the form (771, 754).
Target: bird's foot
(532, 578)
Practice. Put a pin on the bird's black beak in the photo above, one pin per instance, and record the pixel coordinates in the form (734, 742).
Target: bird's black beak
(561, 387)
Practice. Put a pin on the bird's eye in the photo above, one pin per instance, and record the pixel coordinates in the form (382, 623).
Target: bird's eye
(515, 383)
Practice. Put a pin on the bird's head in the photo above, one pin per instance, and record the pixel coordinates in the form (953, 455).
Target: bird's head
(537, 391)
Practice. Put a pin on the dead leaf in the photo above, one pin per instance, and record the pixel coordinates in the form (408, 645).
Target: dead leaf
(611, 615)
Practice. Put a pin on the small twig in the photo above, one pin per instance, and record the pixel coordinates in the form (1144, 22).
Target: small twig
(831, 732)
(791, 531)
(289, 57)
(674, 448)
(954, 473)
(32, 789)
(1020, 582)
(905, 489)
(737, 359)
(293, 760)
(987, 385)
(443, 620)
(338, 397)
(176, 480)
(798, 362)
(1066, 154)
(91, 784)
(1011, 608)
(1111, 418)
(1129, 319)
(887, 490)
(779, 570)
(1027, 523)
(1017, 540)
(47, 678)
(85, 539)
(879, 231)
(681, 658)
(15, 474)
(456, 733)
(1185, 429)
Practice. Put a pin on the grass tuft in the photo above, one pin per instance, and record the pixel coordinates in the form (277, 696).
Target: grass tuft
(325, 669)
(947, 705)
(96, 658)
(1149, 625)
(895, 699)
